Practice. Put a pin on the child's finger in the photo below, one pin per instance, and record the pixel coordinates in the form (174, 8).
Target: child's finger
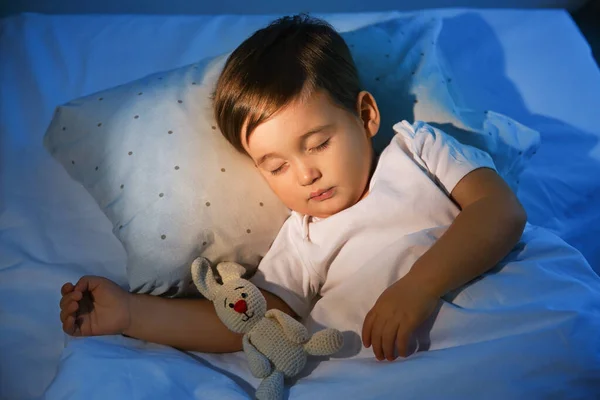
(66, 288)
(69, 310)
(83, 284)
(88, 283)
(69, 325)
(70, 297)
(388, 340)
(376, 337)
(402, 338)
(64, 316)
(367, 329)
(72, 307)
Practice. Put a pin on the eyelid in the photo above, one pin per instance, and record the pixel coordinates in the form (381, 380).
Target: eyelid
(321, 146)
(278, 170)
(268, 165)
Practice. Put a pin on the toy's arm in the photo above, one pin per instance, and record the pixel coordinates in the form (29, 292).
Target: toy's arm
(293, 330)
(260, 366)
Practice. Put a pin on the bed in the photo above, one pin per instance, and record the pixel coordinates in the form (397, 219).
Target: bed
(532, 65)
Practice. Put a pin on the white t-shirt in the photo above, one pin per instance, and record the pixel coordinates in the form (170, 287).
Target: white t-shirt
(408, 195)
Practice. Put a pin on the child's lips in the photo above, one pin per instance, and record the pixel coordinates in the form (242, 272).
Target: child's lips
(321, 195)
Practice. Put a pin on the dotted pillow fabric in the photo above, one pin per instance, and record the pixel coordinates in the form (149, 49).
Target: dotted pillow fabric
(173, 188)
(400, 63)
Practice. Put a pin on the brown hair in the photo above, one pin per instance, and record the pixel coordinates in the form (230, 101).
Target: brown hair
(293, 56)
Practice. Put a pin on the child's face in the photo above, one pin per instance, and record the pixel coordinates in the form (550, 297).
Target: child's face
(316, 156)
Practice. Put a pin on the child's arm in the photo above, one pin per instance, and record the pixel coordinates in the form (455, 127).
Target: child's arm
(187, 324)
(490, 224)
(488, 227)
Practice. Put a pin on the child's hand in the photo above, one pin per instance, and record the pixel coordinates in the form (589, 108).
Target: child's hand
(397, 313)
(94, 306)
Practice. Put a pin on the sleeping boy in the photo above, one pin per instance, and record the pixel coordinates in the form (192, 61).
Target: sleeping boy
(289, 98)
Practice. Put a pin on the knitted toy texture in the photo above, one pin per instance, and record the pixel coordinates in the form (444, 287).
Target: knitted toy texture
(275, 344)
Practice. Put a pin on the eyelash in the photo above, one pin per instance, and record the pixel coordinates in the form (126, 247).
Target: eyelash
(319, 148)
(278, 170)
(322, 146)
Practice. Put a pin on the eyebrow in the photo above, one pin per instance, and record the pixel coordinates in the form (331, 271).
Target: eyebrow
(239, 287)
(305, 136)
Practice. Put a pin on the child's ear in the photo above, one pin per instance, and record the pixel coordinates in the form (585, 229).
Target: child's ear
(368, 112)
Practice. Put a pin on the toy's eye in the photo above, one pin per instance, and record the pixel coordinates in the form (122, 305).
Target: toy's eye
(244, 295)
(230, 305)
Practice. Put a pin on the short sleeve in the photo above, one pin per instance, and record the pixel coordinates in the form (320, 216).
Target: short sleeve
(283, 272)
(445, 159)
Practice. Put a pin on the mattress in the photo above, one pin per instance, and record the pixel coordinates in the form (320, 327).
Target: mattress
(533, 66)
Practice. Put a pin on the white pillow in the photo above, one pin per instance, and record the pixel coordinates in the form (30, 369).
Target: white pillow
(401, 65)
(150, 154)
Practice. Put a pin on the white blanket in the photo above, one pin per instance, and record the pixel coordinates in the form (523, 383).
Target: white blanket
(528, 329)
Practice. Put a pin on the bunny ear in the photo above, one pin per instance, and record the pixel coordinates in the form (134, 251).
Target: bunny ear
(230, 271)
(204, 278)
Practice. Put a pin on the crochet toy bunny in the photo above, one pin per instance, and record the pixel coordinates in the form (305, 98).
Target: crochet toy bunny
(275, 344)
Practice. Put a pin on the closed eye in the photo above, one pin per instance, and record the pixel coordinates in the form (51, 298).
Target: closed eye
(278, 170)
(321, 147)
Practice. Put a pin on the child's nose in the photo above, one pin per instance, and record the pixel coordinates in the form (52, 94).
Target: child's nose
(308, 175)
(240, 306)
